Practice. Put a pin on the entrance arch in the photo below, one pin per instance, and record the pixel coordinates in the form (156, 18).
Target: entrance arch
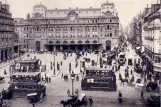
(37, 45)
(65, 46)
(51, 46)
(108, 45)
(58, 45)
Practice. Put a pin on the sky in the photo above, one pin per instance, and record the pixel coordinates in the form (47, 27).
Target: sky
(126, 9)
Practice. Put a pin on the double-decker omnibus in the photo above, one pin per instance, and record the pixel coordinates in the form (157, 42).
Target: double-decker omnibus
(99, 79)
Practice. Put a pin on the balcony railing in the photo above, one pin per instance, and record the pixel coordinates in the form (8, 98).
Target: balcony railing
(149, 38)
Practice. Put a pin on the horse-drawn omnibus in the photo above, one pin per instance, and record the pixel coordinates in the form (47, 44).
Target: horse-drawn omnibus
(25, 77)
(26, 83)
(99, 79)
(121, 58)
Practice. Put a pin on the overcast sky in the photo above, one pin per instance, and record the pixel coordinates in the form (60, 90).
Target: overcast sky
(126, 9)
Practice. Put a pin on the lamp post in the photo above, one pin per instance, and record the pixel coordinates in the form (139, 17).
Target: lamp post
(54, 62)
(18, 49)
(72, 78)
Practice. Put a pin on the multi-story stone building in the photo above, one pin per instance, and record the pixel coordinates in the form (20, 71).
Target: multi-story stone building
(73, 29)
(152, 38)
(6, 32)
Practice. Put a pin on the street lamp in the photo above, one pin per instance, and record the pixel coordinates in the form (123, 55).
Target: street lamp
(72, 78)
(54, 62)
(18, 49)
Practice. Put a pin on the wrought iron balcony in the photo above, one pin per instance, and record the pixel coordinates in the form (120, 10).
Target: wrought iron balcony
(149, 38)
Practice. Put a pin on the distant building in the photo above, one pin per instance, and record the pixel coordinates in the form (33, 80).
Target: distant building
(6, 32)
(69, 29)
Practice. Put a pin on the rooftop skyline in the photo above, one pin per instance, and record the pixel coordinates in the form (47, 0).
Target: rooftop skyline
(126, 9)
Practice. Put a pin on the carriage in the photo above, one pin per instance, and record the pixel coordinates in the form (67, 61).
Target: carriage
(75, 101)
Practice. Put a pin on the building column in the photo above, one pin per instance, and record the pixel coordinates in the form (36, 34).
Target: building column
(83, 47)
(4, 55)
(76, 47)
(68, 47)
(90, 47)
(54, 47)
(61, 47)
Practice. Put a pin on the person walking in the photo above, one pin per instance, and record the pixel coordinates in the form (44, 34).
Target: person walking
(77, 92)
(131, 72)
(62, 75)
(61, 63)
(68, 93)
(142, 93)
(90, 100)
(33, 105)
(49, 80)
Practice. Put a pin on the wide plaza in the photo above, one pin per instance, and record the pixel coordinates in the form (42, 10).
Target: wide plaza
(57, 89)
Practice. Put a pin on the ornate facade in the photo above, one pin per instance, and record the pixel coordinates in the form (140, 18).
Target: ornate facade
(6, 33)
(69, 29)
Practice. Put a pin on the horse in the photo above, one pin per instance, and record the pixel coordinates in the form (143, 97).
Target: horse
(124, 80)
(65, 103)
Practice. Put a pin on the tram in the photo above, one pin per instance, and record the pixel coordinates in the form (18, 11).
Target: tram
(101, 79)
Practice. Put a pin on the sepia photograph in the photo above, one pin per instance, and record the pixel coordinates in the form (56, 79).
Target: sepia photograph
(80, 53)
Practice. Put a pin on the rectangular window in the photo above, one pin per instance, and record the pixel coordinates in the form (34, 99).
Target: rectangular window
(110, 34)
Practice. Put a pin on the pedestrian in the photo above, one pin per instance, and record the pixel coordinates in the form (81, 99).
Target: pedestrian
(33, 105)
(4, 104)
(68, 93)
(131, 72)
(42, 79)
(51, 63)
(5, 73)
(62, 75)
(61, 63)
(77, 92)
(142, 93)
(90, 100)
(49, 80)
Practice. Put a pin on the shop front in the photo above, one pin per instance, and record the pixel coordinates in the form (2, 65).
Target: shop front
(157, 71)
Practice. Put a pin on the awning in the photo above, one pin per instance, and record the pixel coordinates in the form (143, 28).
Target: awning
(157, 67)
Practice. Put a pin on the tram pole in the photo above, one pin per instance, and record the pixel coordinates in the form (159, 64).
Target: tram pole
(72, 77)
(54, 62)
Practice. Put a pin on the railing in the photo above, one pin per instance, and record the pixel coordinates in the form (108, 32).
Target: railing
(149, 38)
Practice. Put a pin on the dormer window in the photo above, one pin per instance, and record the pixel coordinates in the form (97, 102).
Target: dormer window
(111, 7)
(103, 7)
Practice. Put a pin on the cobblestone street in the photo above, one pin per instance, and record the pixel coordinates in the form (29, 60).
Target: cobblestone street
(57, 89)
